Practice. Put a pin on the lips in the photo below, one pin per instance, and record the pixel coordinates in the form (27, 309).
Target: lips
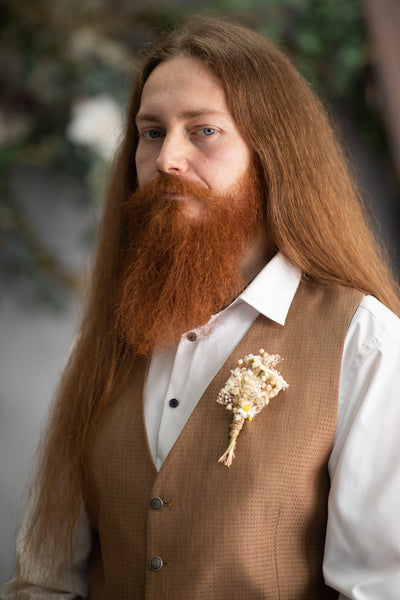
(174, 196)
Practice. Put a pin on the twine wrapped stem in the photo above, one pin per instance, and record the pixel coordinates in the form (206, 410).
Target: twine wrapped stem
(229, 455)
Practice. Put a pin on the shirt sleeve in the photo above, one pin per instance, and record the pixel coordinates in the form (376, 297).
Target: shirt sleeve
(362, 551)
(67, 583)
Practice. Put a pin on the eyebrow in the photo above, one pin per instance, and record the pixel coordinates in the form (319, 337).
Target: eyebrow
(187, 114)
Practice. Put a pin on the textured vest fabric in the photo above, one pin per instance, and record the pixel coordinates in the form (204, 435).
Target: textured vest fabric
(253, 531)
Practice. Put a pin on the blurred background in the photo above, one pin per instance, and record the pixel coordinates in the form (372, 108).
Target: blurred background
(66, 68)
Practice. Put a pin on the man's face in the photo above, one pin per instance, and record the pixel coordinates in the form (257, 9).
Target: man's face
(186, 129)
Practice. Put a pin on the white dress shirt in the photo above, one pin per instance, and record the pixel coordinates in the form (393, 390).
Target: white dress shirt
(362, 550)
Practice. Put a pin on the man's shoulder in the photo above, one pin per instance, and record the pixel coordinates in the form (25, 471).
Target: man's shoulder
(377, 318)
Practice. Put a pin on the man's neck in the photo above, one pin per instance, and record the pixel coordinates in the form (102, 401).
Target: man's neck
(256, 256)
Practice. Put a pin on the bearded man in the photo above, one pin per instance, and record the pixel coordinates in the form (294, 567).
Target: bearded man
(232, 237)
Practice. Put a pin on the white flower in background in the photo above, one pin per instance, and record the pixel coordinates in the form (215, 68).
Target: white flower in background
(97, 123)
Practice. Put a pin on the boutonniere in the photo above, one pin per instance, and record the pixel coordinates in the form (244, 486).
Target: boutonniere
(249, 388)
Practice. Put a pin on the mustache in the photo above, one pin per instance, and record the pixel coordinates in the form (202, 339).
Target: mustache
(167, 186)
(166, 190)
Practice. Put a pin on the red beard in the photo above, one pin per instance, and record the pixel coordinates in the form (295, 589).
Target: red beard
(184, 256)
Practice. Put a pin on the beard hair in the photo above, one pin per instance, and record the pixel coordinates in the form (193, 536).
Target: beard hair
(181, 268)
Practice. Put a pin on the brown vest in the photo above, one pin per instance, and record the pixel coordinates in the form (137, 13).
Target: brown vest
(253, 531)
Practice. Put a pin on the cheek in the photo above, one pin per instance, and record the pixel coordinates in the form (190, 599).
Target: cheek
(238, 155)
(143, 168)
(230, 169)
(241, 156)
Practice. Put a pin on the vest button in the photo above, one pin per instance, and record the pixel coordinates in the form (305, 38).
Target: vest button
(191, 336)
(156, 503)
(155, 563)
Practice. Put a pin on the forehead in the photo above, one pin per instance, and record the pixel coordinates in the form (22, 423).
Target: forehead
(185, 84)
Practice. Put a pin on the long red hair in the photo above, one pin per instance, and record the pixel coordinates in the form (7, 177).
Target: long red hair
(313, 215)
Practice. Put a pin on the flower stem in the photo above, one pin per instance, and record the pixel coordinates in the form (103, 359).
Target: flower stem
(229, 454)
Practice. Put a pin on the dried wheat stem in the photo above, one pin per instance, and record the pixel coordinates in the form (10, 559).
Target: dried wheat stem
(229, 455)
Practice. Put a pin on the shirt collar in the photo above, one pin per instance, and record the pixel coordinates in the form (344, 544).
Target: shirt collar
(272, 291)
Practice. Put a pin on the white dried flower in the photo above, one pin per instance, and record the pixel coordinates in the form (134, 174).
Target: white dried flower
(249, 388)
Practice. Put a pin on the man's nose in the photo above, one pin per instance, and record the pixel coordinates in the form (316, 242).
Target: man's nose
(172, 158)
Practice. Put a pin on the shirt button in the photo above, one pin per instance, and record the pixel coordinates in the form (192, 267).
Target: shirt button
(155, 563)
(156, 503)
(173, 403)
(191, 336)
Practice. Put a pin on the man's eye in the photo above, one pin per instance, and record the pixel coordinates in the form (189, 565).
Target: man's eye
(207, 131)
(152, 134)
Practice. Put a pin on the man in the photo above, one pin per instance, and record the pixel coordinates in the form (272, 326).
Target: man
(232, 228)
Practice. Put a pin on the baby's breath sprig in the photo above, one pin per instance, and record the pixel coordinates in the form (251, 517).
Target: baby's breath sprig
(249, 388)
